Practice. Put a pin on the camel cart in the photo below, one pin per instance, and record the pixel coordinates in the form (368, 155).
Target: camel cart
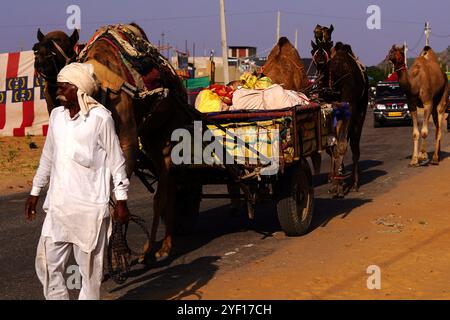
(285, 139)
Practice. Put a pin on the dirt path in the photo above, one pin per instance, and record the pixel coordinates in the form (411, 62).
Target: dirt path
(18, 162)
(406, 233)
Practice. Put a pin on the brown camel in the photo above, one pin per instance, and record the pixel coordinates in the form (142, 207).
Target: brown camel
(52, 53)
(285, 67)
(425, 86)
(340, 72)
(153, 119)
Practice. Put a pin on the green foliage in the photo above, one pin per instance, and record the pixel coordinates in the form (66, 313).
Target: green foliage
(375, 75)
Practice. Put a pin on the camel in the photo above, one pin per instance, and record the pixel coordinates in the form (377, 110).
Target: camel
(321, 53)
(343, 78)
(285, 67)
(152, 119)
(51, 54)
(425, 86)
(350, 80)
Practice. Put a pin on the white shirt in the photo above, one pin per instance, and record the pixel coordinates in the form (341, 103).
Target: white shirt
(79, 157)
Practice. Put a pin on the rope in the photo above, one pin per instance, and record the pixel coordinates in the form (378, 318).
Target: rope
(119, 254)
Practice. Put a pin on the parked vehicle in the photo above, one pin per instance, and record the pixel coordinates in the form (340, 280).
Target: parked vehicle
(390, 105)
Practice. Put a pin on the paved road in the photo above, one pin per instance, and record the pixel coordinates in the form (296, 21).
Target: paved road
(222, 242)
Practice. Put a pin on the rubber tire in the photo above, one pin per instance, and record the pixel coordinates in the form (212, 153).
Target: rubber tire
(187, 208)
(295, 216)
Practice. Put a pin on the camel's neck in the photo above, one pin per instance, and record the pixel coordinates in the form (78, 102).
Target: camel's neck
(403, 79)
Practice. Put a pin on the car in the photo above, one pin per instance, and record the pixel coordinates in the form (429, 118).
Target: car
(390, 105)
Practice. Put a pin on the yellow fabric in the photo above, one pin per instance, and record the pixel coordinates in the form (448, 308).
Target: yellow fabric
(208, 101)
(252, 82)
(263, 83)
(264, 141)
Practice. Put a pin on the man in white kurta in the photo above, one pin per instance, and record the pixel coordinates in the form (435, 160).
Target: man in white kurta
(81, 154)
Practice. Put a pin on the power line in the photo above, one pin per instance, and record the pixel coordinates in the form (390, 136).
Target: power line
(140, 19)
(440, 36)
(351, 18)
(417, 43)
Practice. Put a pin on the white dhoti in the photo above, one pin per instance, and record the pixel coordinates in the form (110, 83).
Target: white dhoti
(51, 266)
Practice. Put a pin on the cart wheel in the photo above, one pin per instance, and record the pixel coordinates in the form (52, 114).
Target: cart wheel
(295, 199)
(187, 208)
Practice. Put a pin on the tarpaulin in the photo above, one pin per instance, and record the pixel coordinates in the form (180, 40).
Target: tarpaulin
(23, 109)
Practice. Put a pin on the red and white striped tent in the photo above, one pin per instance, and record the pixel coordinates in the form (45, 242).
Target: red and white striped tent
(23, 109)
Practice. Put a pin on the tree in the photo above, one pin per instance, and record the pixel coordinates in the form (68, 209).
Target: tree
(375, 75)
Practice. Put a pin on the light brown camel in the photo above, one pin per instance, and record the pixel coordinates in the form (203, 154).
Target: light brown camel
(285, 67)
(425, 86)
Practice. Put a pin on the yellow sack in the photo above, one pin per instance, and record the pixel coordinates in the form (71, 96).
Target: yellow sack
(252, 82)
(249, 80)
(263, 83)
(207, 101)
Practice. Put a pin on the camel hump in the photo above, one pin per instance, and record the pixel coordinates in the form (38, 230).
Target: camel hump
(283, 41)
(428, 53)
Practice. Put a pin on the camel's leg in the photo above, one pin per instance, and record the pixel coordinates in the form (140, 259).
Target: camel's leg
(329, 151)
(339, 153)
(126, 129)
(414, 159)
(438, 115)
(437, 119)
(355, 140)
(423, 156)
(167, 203)
(168, 217)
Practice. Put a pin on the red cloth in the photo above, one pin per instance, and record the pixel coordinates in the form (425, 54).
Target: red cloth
(392, 77)
(224, 92)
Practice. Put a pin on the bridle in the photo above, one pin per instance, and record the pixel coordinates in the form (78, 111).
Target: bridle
(322, 65)
(52, 56)
(327, 56)
(398, 57)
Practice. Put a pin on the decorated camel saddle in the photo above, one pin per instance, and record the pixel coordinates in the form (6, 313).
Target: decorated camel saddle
(142, 60)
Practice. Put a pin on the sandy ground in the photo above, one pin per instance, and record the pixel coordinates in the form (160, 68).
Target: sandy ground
(406, 233)
(18, 162)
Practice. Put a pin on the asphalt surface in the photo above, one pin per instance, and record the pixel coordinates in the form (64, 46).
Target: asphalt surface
(222, 241)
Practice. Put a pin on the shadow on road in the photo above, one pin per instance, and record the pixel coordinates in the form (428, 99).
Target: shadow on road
(188, 277)
(328, 209)
(366, 175)
(174, 282)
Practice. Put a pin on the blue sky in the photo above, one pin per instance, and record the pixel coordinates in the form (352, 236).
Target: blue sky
(249, 22)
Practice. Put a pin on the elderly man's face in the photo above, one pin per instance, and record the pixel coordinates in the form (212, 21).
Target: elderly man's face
(66, 94)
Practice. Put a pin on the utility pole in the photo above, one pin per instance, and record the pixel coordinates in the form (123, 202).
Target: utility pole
(427, 33)
(406, 53)
(226, 76)
(193, 55)
(296, 35)
(278, 26)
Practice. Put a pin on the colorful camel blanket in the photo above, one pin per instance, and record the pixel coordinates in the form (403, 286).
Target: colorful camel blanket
(142, 60)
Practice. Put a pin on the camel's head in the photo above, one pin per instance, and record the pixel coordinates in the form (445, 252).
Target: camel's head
(321, 53)
(323, 34)
(53, 51)
(397, 56)
(321, 48)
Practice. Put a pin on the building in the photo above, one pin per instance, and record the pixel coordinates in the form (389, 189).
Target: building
(241, 52)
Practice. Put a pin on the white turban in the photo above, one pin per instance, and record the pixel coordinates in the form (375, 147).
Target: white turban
(81, 75)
